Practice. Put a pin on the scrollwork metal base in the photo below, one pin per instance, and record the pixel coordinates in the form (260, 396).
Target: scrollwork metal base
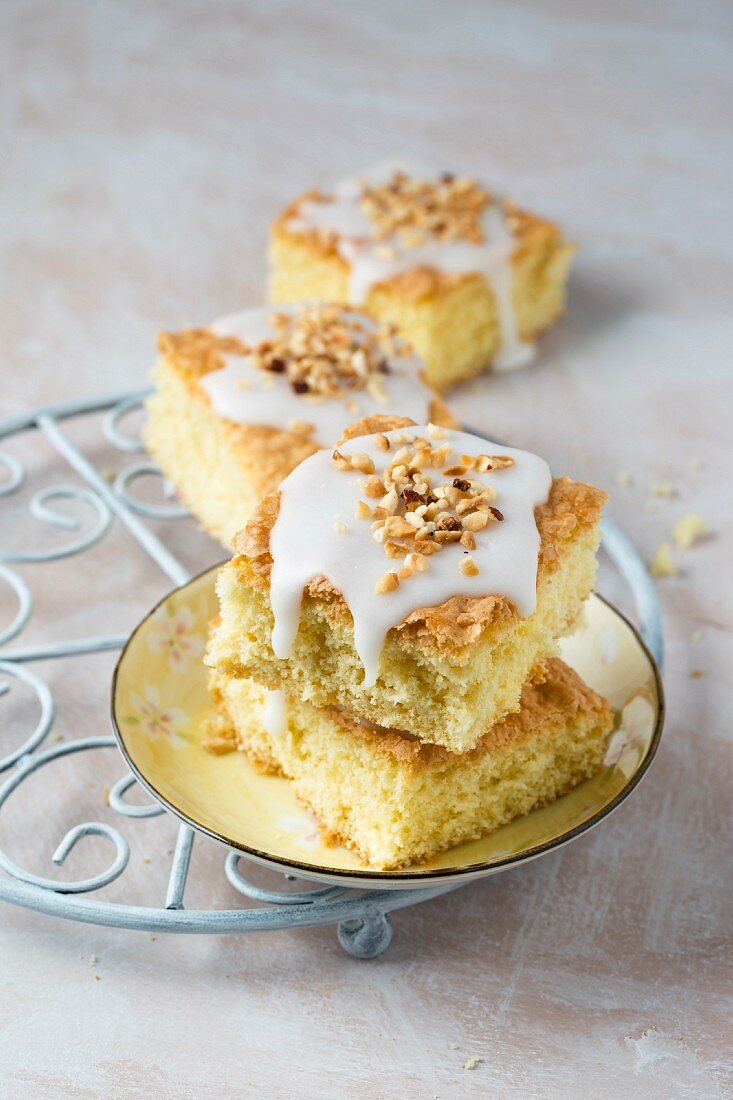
(364, 930)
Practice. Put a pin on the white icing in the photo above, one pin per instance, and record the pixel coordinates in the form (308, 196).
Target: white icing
(369, 265)
(245, 394)
(317, 501)
(275, 713)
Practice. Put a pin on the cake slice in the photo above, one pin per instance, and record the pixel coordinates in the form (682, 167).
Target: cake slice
(239, 404)
(396, 801)
(413, 577)
(468, 278)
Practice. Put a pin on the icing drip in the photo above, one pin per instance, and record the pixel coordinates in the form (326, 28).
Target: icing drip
(370, 263)
(275, 714)
(317, 534)
(243, 393)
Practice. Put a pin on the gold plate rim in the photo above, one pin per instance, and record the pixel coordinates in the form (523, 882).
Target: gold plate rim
(405, 879)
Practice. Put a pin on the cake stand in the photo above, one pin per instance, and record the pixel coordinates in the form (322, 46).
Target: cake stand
(361, 917)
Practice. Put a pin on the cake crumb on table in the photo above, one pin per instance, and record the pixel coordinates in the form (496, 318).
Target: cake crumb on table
(472, 1063)
(219, 746)
(688, 530)
(663, 564)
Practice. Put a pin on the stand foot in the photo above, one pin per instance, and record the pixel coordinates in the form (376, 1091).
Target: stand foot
(367, 936)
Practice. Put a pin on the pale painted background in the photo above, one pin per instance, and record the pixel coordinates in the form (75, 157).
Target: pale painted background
(144, 148)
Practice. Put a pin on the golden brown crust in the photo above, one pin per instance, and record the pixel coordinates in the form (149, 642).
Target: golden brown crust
(553, 696)
(570, 506)
(253, 543)
(530, 231)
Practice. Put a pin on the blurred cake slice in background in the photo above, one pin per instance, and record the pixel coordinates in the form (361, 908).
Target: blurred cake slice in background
(468, 278)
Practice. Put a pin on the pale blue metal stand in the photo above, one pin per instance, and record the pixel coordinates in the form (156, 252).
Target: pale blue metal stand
(364, 929)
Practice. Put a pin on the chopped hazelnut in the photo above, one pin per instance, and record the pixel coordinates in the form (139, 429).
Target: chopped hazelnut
(468, 567)
(363, 463)
(475, 521)
(373, 487)
(340, 461)
(397, 527)
(449, 523)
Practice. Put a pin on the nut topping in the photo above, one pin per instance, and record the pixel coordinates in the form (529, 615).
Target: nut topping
(386, 583)
(323, 351)
(415, 516)
(446, 209)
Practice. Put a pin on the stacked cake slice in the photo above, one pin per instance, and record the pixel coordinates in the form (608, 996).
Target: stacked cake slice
(388, 637)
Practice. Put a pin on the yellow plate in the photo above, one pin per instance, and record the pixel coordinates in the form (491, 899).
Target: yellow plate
(161, 710)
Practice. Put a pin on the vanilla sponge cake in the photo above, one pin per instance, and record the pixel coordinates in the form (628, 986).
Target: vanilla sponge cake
(467, 277)
(397, 801)
(413, 577)
(238, 405)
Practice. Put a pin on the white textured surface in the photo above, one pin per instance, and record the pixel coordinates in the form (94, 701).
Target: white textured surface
(145, 148)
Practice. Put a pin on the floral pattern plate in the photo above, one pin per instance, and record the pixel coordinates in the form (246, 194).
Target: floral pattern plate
(162, 712)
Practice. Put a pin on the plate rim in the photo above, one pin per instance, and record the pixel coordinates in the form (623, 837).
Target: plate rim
(405, 880)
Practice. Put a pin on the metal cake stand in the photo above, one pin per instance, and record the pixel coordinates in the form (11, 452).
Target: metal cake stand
(360, 915)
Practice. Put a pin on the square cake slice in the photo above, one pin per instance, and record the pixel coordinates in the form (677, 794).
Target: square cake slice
(396, 801)
(239, 404)
(468, 278)
(413, 577)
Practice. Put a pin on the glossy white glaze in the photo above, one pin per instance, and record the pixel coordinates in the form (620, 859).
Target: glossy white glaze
(275, 713)
(317, 534)
(244, 394)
